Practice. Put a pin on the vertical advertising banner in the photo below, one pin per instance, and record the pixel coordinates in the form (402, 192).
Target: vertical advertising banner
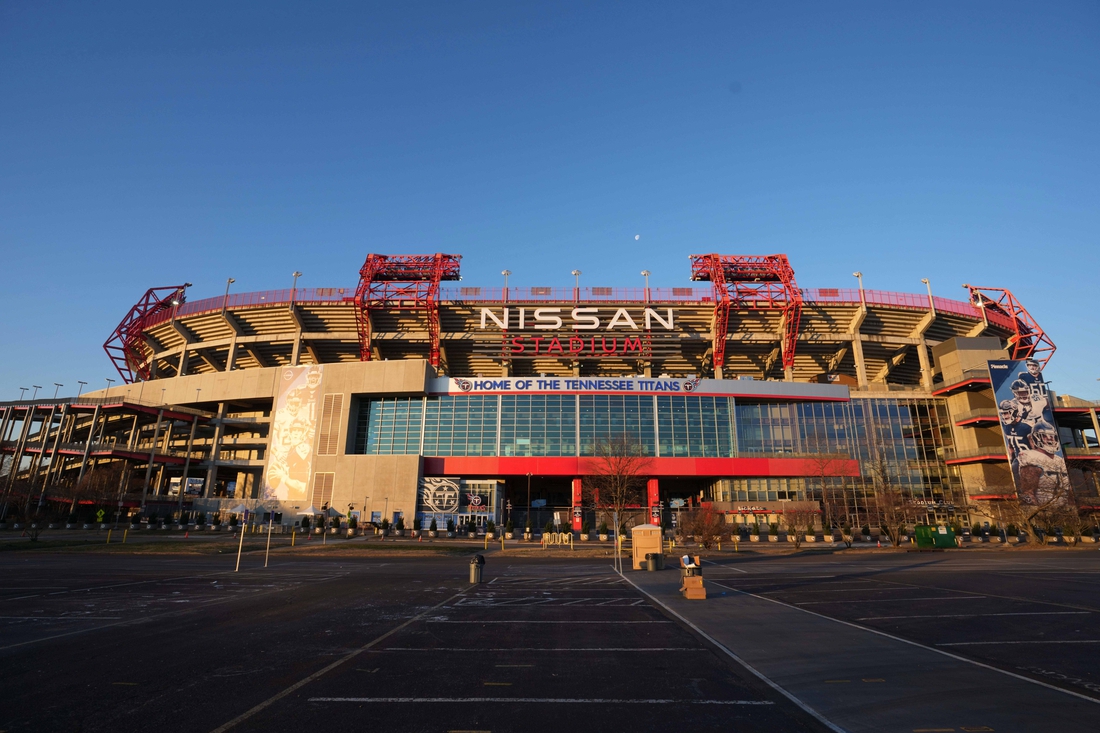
(293, 427)
(1027, 422)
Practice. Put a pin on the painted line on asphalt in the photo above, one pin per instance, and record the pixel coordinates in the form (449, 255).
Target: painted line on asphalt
(545, 649)
(547, 700)
(1040, 641)
(920, 646)
(730, 653)
(875, 600)
(982, 615)
(527, 621)
(325, 670)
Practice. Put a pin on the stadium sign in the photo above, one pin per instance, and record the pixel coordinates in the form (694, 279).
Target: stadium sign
(580, 319)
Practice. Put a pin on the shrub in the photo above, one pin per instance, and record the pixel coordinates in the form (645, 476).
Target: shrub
(774, 528)
(603, 527)
(450, 525)
(756, 528)
(866, 530)
(586, 528)
(490, 526)
(433, 527)
(385, 523)
(200, 519)
(400, 524)
(548, 528)
(509, 527)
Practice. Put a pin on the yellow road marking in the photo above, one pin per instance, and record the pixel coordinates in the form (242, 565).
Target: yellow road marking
(873, 679)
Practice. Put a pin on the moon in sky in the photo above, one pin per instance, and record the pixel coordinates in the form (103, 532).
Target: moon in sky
(637, 237)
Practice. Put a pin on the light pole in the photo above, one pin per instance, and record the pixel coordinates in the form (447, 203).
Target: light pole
(506, 273)
(225, 300)
(530, 526)
(859, 276)
(81, 388)
(577, 287)
(35, 393)
(646, 274)
(931, 302)
(22, 391)
(109, 382)
(56, 386)
(294, 287)
(177, 299)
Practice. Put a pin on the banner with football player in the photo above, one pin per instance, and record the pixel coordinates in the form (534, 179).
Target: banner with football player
(293, 427)
(1027, 422)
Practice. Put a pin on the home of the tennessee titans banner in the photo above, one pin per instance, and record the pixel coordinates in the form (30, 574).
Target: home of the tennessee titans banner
(1031, 437)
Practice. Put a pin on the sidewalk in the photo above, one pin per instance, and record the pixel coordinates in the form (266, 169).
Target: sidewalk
(859, 680)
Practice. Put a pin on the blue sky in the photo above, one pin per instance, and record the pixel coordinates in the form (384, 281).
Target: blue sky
(145, 145)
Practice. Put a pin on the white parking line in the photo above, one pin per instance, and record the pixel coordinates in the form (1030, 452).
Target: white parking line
(545, 649)
(1040, 641)
(526, 621)
(550, 700)
(976, 615)
(881, 600)
(903, 640)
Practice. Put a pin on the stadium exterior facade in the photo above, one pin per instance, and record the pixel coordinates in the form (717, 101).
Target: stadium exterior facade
(412, 397)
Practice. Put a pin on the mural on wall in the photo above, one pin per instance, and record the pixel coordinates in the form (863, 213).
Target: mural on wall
(1031, 438)
(293, 428)
(439, 495)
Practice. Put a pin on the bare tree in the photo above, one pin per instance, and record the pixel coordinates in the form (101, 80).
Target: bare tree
(830, 469)
(706, 526)
(895, 509)
(616, 476)
(800, 522)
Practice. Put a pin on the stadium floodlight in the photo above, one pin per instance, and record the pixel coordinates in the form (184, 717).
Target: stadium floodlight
(577, 275)
(931, 302)
(506, 273)
(81, 388)
(56, 386)
(294, 287)
(109, 382)
(22, 391)
(36, 388)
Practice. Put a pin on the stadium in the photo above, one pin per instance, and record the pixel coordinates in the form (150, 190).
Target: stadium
(414, 397)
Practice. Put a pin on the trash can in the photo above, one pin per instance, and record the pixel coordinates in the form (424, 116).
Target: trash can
(651, 561)
(475, 568)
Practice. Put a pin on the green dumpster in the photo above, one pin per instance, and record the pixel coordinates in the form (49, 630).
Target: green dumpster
(929, 537)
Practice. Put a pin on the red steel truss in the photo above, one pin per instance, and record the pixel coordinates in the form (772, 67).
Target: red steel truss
(1030, 340)
(751, 281)
(402, 282)
(126, 347)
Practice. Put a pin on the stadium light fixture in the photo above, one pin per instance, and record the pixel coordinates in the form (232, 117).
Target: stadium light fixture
(56, 386)
(931, 302)
(36, 388)
(859, 276)
(506, 273)
(225, 301)
(109, 382)
(645, 274)
(22, 391)
(81, 387)
(294, 287)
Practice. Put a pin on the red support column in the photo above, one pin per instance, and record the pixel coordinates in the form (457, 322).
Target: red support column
(653, 500)
(578, 502)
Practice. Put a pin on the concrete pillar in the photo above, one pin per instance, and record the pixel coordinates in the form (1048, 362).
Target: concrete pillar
(653, 500)
(54, 468)
(1095, 424)
(925, 365)
(181, 368)
(861, 365)
(88, 444)
(717, 372)
(187, 461)
(215, 450)
(152, 455)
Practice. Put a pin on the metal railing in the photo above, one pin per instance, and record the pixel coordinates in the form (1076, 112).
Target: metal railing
(986, 413)
(1070, 401)
(980, 452)
(821, 296)
(1071, 451)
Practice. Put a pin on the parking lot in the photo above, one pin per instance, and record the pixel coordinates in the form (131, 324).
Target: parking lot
(182, 643)
(863, 641)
